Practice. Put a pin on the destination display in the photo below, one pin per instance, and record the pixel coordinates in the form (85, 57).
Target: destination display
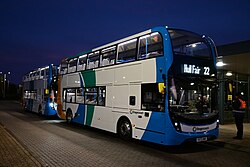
(195, 69)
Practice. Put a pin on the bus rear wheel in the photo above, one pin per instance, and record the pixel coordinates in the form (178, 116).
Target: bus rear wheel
(40, 110)
(69, 116)
(125, 129)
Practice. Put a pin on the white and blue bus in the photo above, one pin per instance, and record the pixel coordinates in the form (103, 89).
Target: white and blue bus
(39, 90)
(158, 85)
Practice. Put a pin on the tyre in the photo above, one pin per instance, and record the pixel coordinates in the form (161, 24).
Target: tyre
(125, 129)
(40, 110)
(69, 116)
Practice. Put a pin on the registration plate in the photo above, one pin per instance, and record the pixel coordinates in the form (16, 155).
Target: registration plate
(201, 139)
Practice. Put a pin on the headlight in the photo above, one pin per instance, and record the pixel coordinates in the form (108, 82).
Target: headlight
(177, 126)
(51, 105)
(218, 123)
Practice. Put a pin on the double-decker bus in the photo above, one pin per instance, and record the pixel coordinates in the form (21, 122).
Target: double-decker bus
(158, 85)
(39, 90)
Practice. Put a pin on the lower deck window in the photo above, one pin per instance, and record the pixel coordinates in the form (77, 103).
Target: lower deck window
(71, 95)
(152, 99)
(30, 94)
(91, 96)
(80, 95)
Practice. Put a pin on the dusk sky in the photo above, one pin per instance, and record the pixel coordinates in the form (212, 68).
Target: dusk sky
(35, 33)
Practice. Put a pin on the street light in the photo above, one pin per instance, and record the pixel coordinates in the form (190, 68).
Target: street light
(220, 62)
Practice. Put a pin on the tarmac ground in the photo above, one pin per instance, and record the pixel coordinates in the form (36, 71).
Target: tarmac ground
(14, 154)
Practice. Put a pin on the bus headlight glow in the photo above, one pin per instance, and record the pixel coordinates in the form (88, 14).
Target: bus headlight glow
(53, 106)
(177, 126)
(218, 123)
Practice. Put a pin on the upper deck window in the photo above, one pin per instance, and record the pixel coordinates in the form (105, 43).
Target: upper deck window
(26, 77)
(150, 46)
(186, 43)
(82, 61)
(42, 73)
(127, 51)
(47, 71)
(72, 62)
(72, 65)
(35, 75)
(64, 67)
(55, 70)
(108, 56)
(93, 61)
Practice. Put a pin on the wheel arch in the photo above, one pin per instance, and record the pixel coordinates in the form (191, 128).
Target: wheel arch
(69, 111)
(121, 123)
(120, 119)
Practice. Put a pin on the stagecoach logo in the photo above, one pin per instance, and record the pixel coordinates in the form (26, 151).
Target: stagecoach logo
(195, 129)
(135, 112)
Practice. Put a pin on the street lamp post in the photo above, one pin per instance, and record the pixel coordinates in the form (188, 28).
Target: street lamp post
(4, 82)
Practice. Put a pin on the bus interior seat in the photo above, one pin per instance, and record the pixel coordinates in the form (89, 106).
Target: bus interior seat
(96, 63)
(105, 62)
(91, 65)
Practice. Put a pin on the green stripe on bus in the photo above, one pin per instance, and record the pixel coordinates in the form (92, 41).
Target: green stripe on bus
(89, 78)
(90, 113)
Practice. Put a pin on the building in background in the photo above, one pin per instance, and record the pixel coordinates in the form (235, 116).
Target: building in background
(234, 76)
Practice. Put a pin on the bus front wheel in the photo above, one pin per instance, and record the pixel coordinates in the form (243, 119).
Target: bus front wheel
(125, 129)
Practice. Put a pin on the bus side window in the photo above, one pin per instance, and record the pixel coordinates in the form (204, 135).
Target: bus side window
(72, 65)
(42, 74)
(127, 51)
(152, 99)
(108, 56)
(91, 96)
(37, 74)
(150, 46)
(82, 61)
(80, 95)
(64, 67)
(93, 60)
(47, 72)
(101, 96)
(71, 95)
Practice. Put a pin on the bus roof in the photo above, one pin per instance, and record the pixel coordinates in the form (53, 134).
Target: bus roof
(112, 43)
(121, 40)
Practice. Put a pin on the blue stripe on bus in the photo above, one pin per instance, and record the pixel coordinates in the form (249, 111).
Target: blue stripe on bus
(81, 80)
(173, 137)
(176, 138)
(48, 110)
(80, 114)
(155, 130)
